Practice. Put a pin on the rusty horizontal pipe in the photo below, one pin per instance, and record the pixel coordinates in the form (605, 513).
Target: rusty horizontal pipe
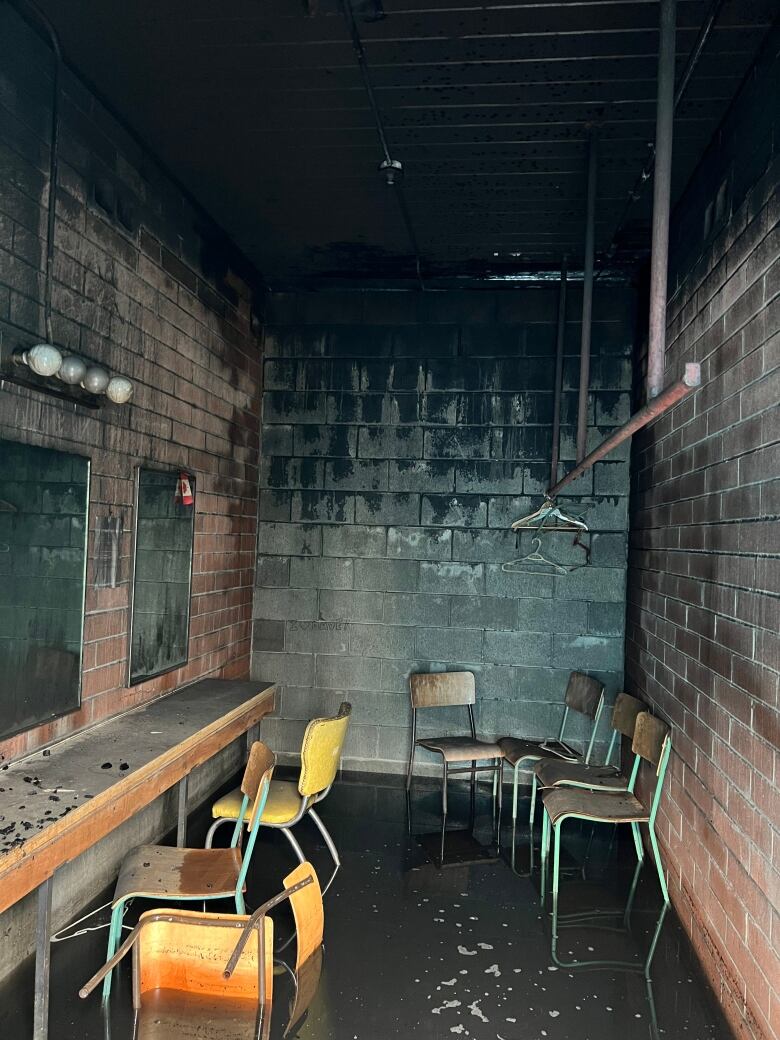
(660, 404)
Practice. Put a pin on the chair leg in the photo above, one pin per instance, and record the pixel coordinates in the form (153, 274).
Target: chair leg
(213, 830)
(114, 934)
(410, 767)
(659, 865)
(532, 812)
(640, 849)
(443, 809)
(240, 904)
(287, 832)
(514, 793)
(331, 846)
(555, 883)
(544, 853)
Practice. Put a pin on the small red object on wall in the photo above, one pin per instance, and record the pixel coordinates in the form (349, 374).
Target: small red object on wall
(184, 494)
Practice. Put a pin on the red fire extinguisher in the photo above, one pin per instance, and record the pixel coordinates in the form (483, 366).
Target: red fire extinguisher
(184, 494)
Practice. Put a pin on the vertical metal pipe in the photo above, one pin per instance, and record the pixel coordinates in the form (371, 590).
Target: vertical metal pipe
(559, 343)
(42, 961)
(662, 190)
(587, 299)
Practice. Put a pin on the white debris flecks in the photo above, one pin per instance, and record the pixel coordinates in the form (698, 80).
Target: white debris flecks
(445, 1006)
(553, 1014)
(467, 953)
(493, 970)
(484, 946)
(448, 982)
(477, 1011)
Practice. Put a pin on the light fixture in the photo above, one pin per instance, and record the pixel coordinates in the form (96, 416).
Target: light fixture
(73, 370)
(43, 359)
(95, 380)
(119, 389)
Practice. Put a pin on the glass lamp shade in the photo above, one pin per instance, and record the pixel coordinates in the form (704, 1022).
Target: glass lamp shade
(119, 390)
(43, 359)
(73, 370)
(95, 379)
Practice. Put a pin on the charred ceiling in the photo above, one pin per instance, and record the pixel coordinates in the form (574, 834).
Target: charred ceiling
(261, 110)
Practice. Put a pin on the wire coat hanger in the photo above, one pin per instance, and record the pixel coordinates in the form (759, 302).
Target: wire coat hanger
(544, 565)
(548, 511)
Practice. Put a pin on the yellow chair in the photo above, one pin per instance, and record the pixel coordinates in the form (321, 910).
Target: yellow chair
(288, 802)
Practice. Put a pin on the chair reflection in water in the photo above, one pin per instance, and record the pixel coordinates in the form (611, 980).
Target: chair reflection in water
(210, 976)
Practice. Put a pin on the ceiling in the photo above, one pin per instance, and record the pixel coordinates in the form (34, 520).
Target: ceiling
(259, 109)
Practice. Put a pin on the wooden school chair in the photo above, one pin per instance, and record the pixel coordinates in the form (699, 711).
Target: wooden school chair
(211, 975)
(182, 875)
(652, 742)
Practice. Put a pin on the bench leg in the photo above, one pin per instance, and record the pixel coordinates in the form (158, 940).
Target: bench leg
(181, 823)
(42, 961)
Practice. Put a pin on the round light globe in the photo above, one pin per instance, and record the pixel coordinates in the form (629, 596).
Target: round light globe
(95, 380)
(119, 390)
(43, 359)
(73, 370)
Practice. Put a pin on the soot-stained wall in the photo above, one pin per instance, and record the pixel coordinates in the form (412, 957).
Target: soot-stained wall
(402, 434)
(132, 290)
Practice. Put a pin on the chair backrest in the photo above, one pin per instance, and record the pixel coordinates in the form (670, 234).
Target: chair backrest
(583, 694)
(650, 735)
(442, 689)
(186, 951)
(256, 781)
(308, 912)
(624, 714)
(321, 751)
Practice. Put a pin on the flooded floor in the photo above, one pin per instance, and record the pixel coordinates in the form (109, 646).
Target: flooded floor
(414, 949)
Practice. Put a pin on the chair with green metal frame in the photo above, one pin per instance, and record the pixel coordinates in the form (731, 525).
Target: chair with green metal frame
(184, 875)
(288, 802)
(652, 742)
(585, 695)
(606, 777)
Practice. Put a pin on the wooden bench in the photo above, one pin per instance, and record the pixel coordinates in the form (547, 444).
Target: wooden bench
(56, 803)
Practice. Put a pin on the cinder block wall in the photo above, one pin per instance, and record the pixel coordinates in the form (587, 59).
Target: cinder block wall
(131, 292)
(402, 434)
(704, 576)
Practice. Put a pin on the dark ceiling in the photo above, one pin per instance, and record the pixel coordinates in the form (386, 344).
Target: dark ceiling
(258, 107)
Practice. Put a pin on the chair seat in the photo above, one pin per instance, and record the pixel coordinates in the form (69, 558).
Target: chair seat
(161, 871)
(460, 749)
(555, 774)
(516, 750)
(282, 805)
(600, 806)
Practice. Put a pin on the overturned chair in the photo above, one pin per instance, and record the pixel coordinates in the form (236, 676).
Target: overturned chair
(288, 802)
(211, 975)
(194, 875)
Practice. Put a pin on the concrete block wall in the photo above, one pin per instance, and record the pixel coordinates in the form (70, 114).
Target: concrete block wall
(704, 575)
(402, 434)
(135, 288)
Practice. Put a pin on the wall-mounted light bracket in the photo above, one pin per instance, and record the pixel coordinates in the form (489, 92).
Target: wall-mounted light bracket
(62, 374)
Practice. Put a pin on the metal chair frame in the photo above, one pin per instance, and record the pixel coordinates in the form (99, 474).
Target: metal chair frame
(306, 809)
(119, 907)
(448, 771)
(547, 826)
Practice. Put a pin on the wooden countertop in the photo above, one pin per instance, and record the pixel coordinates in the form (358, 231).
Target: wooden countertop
(58, 802)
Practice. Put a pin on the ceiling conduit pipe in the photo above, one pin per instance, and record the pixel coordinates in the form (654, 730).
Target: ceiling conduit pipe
(587, 298)
(559, 344)
(647, 171)
(391, 168)
(662, 191)
(32, 13)
(658, 399)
